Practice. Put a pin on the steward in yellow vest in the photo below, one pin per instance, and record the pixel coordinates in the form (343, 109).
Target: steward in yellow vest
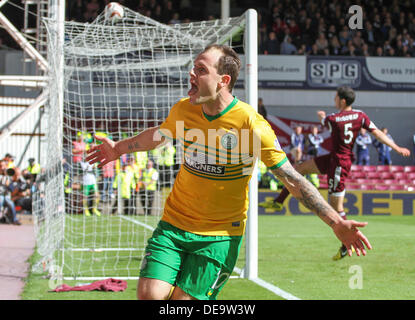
(9, 160)
(149, 178)
(124, 185)
(164, 159)
(33, 168)
(141, 159)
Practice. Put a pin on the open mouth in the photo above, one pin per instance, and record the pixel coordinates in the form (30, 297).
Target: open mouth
(193, 89)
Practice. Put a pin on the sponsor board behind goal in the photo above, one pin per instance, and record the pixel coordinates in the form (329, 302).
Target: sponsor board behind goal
(357, 202)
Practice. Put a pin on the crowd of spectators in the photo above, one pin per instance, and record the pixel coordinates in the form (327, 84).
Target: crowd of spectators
(320, 27)
(315, 27)
(17, 186)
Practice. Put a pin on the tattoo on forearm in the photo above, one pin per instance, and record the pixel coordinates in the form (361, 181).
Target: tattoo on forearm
(307, 194)
(313, 200)
(133, 146)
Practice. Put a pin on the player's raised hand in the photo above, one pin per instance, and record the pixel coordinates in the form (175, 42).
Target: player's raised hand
(102, 153)
(321, 114)
(346, 231)
(404, 152)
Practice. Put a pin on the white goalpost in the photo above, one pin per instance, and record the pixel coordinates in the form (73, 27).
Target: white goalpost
(117, 78)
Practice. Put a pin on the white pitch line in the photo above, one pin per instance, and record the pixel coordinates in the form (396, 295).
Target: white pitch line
(276, 290)
(262, 283)
(138, 222)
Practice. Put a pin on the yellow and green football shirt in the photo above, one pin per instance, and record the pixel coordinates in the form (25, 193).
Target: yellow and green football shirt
(210, 194)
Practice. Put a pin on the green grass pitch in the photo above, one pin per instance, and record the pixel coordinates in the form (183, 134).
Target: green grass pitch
(294, 255)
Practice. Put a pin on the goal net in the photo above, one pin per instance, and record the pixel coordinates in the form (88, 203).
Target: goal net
(112, 79)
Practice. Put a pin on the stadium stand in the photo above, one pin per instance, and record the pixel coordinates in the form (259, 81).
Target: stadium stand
(316, 27)
(378, 178)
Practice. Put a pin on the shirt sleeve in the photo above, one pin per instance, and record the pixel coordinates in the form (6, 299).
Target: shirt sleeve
(271, 152)
(367, 124)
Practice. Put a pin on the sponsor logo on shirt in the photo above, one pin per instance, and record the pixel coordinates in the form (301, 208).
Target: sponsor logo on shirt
(204, 167)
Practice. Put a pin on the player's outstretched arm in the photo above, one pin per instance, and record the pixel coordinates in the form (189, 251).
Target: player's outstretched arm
(382, 137)
(109, 150)
(345, 230)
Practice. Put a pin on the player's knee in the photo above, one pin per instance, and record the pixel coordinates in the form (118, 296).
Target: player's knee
(148, 289)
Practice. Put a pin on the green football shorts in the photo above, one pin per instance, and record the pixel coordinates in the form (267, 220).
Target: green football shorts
(90, 189)
(199, 265)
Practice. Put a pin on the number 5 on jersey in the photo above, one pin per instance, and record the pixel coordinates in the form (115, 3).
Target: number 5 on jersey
(348, 133)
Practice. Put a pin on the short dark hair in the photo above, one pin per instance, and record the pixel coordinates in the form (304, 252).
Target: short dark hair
(229, 63)
(347, 94)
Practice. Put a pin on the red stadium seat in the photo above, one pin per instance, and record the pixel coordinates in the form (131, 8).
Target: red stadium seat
(361, 181)
(409, 169)
(373, 175)
(369, 168)
(403, 181)
(387, 175)
(357, 174)
(353, 186)
(397, 187)
(356, 167)
(383, 168)
(410, 176)
(367, 187)
(382, 187)
(375, 181)
(388, 181)
(324, 185)
(322, 177)
(397, 168)
(399, 175)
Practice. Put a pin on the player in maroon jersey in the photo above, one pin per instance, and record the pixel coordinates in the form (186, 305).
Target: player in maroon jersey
(344, 127)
